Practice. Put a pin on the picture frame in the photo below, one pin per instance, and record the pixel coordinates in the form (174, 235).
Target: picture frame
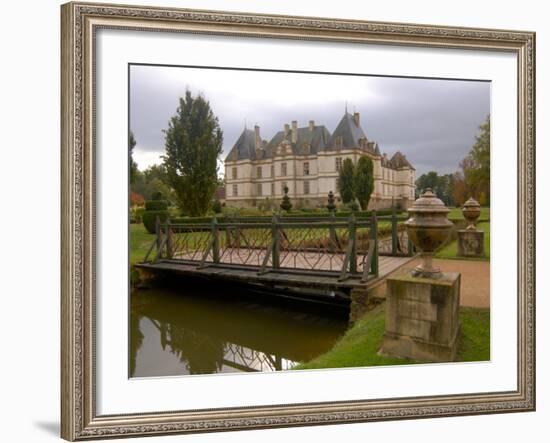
(81, 22)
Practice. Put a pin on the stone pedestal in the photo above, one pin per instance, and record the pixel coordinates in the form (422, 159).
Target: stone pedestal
(470, 243)
(422, 317)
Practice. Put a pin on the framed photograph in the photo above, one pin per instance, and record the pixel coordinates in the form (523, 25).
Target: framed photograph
(277, 221)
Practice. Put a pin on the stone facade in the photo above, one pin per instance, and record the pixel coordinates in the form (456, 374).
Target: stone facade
(422, 320)
(308, 160)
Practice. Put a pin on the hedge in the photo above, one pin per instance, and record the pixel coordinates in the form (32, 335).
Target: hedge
(156, 205)
(150, 217)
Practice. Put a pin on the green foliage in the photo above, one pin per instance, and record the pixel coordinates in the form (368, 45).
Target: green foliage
(345, 182)
(133, 164)
(156, 205)
(136, 214)
(364, 181)
(147, 184)
(477, 165)
(441, 185)
(149, 219)
(193, 143)
(286, 205)
(216, 207)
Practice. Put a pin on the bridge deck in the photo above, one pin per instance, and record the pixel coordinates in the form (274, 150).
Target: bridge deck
(282, 277)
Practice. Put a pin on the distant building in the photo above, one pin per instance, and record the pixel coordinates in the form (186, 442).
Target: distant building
(308, 161)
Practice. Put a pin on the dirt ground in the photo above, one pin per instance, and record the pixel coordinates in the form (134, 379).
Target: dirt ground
(475, 281)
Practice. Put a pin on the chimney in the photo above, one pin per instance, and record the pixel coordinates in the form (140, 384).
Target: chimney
(287, 130)
(294, 131)
(356, 118)
(258, 140)
(311, 125)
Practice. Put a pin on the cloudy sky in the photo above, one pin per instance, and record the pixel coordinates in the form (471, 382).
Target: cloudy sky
(433, 122)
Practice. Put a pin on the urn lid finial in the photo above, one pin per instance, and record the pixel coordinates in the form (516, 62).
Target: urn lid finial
(428, 202)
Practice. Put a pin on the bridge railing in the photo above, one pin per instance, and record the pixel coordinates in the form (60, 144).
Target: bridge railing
(324, 246)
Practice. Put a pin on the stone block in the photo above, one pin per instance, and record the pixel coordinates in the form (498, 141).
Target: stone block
(422, 317)
(470, 243)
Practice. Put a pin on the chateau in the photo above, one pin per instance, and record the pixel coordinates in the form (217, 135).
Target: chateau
(308, 160)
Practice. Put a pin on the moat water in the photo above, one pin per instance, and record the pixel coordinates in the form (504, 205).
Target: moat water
(204, 329)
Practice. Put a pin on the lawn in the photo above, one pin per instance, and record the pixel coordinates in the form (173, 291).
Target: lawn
(140, 242)
(359, 346)
(456, 214)
(449, 251)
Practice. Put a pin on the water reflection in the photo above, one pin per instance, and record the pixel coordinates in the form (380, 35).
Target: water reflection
(209, 330)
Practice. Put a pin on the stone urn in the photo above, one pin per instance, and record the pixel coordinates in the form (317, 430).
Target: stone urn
(471, 211)
(428, 229)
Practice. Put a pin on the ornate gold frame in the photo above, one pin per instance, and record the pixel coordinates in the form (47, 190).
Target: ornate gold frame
(79, 22)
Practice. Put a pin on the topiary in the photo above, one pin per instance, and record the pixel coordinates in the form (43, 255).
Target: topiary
(157, 207)
(149, 219)
(286, 205)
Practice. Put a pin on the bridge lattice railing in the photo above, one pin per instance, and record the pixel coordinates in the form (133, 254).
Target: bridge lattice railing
(346, 247)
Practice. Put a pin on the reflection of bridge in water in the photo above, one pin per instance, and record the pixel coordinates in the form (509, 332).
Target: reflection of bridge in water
(198, 332)
(240, 357)
(327, 253)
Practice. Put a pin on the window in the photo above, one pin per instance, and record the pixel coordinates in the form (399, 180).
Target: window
(235, 190)
(234, 173)
(283, 186)
(259, 189)
(338, 164)
(306, 168)
(272, 171)
(337, 188)
(306, 187)
(272, 188)
(339, 142)
(283, 169)
(259, 172)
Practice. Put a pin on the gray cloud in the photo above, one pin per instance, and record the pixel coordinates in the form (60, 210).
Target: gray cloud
(433, 122)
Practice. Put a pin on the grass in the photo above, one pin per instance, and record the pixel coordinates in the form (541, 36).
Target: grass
(359, 346)
(456, 214)
(140, 242)
(449, 251)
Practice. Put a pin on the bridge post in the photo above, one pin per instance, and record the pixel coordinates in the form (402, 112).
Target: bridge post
(393, 232)
(332, 233)
(352, 237)
(215, 241)
(374, 236)
(168, 233)
(158, 232)
(275, 242)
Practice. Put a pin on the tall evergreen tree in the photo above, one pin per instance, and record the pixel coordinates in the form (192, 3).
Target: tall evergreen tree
(345, 182)
(193, 143)
(133, 164)
(364, 181)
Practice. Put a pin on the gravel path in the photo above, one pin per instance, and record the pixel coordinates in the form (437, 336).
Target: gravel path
(475, 282)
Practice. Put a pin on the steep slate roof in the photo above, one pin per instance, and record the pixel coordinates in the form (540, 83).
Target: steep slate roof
(317, 138)
(400, 161)
(245, 146)
(350, 132)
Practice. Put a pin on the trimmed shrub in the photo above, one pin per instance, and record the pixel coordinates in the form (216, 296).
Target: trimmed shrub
(216, 207)
(149, 219)
(156, 205)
